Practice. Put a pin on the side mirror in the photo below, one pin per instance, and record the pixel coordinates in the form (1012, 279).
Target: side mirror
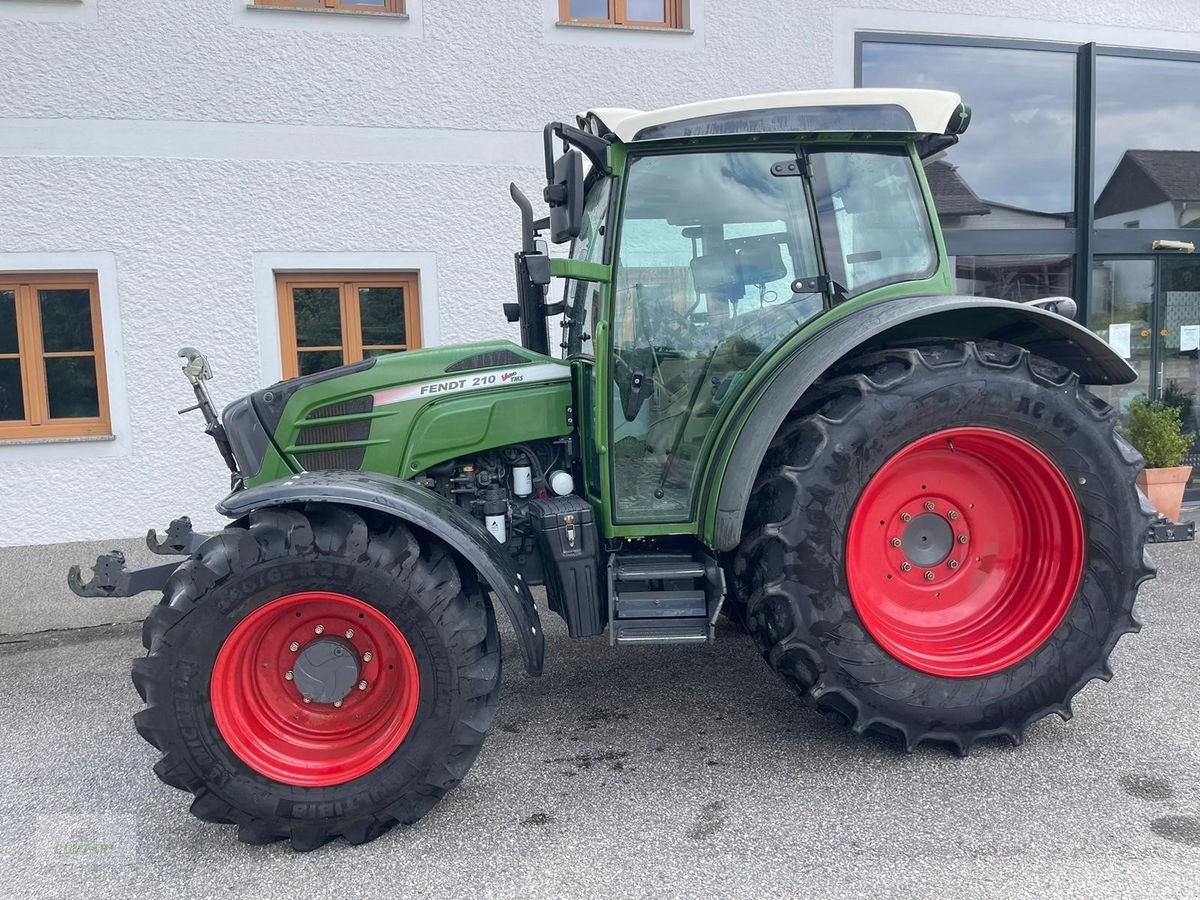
(564, 194)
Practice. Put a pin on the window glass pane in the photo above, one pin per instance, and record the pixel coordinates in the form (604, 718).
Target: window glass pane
(372, 4)
(66, 319)
(585, 295)
(1147, 144)
(1015, 165)
(379, 351)
(874, 224)
(645, 11)
(12, 398)
(71, 387)
(1016, 278)
(318, 316)
(589, 9)
(319, 360)
(710, 246)
(8, 322)
(1120, 310)
(382, 313)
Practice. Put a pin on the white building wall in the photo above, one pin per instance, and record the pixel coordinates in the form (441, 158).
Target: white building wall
(183, 148)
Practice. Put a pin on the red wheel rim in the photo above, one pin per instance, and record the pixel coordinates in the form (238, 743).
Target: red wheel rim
(1014, 542)
(262, 714)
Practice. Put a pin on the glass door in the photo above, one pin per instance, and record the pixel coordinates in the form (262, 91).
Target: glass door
(1148, 309)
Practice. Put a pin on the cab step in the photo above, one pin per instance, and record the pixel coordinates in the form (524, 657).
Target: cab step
(663, 598)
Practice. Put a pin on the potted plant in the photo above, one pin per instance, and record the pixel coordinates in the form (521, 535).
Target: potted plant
(1156, 430)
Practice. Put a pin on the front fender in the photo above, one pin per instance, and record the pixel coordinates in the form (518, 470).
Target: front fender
(759, 414)
(424, 509)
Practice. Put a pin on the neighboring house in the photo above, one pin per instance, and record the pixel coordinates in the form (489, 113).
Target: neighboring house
(1152, 189)
(955, 201)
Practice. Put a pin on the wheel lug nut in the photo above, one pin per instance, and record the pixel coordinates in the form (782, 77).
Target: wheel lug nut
(367, 657)
(904, 517)
(288, 675)
(952, 515)
(905, 567)
(349, 633)
(337, 703)
(953, 564)
(294, 646)
(320, 629)
(308, 699)
(929, 576)
(362, 685)
(962, 538)
(929, 505)
(895, 542)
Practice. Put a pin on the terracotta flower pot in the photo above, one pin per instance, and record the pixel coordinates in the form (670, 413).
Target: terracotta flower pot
(1165, 487)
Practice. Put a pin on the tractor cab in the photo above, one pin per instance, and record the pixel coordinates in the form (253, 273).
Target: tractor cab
(704, 236)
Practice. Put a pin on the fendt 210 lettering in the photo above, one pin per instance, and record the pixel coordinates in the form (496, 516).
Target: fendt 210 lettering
(769, 403)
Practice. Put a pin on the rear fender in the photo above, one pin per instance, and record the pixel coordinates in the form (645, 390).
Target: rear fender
(423, 509)
(762, 411)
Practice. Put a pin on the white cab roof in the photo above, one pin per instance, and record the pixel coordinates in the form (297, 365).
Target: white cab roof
(928, 112)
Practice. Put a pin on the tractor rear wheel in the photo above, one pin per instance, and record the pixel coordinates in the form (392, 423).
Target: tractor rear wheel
(944, 543)
(312, 675)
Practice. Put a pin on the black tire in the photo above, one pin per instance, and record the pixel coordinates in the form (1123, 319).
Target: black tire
(414, 582)
(791, 571)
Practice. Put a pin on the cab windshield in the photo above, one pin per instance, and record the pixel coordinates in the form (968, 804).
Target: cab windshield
(720, 260)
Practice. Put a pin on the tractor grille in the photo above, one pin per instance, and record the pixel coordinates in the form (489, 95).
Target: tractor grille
(317, 434)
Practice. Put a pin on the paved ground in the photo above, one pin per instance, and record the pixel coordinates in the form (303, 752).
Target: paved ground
(648, 771)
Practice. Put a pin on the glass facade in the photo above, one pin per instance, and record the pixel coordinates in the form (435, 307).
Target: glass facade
(1079, 176)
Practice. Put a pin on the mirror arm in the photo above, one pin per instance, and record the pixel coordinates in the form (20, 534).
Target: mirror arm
(594, 148)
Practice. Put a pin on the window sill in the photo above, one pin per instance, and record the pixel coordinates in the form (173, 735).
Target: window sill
(47, 2)
(601, 26)
(72, 439)
(359, 13)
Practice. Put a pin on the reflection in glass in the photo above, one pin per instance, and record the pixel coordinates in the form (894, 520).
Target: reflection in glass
(589, 9)
(1020, 150)
(710, 247)
(1120, 311)
(66, 319)
(382, 312)
(1147, 145)
(645, 11)
(71, 387)
(12, 397)
(1018, 278)
(9, 342)
(319, 360)
(1179, 356)
(318, 316)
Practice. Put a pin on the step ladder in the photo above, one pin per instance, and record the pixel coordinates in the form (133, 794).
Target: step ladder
(663, 598)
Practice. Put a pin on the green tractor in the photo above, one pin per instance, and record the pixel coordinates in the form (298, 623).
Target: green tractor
(769, 402)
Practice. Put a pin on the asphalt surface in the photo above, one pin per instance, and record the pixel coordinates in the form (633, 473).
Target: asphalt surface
(654, 771)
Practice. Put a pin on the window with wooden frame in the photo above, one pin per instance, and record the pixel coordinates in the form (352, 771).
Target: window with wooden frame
(638, 13)
(52, 381)
(395, 7)
(331, 320)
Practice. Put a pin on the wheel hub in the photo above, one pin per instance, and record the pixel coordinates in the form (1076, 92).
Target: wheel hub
(927, 539)
(326, 671)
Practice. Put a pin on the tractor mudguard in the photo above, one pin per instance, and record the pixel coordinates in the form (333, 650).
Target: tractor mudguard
(760, 413)
(424, 509)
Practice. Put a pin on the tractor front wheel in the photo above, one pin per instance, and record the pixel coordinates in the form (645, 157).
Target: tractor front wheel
(944, 543)
(313, 675)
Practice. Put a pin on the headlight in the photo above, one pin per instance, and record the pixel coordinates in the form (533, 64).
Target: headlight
(246, 435)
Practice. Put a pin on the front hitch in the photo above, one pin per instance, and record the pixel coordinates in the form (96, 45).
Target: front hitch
(110, 577)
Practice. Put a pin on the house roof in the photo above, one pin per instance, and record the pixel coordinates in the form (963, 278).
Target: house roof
(851, 110)
(1145, 177)
(951, 195)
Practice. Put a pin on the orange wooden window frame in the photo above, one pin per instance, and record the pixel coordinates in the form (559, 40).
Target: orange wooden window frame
(618, 15)
(347, 284)
(395, 7)
(32, 354)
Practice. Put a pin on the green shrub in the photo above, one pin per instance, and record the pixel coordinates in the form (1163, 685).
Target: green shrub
(1156, 431)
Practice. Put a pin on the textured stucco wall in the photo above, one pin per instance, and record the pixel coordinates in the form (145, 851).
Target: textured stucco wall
(183, 138)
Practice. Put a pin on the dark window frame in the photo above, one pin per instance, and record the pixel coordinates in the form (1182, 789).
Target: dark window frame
(1086, 242)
